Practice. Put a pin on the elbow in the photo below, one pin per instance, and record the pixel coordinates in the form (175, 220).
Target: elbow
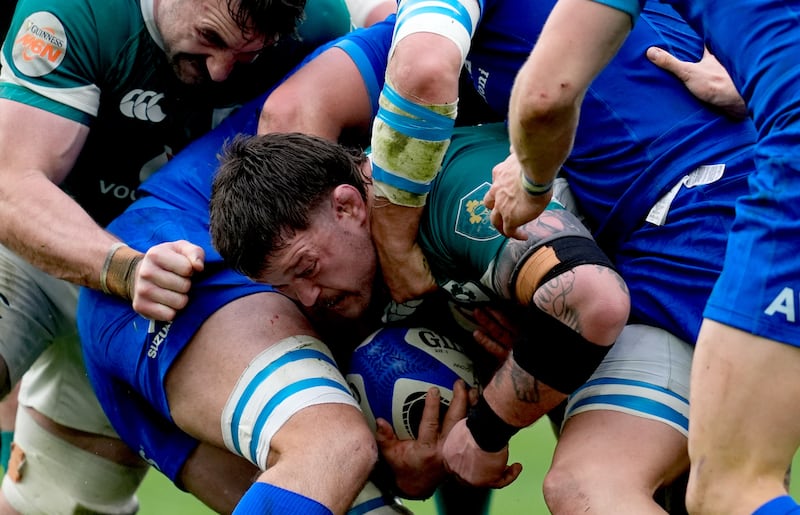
(606, 314)
(546, 105)
(280, 113)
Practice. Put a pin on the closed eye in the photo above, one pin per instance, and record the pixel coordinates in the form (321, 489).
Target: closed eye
(308, 272)
(212, 38)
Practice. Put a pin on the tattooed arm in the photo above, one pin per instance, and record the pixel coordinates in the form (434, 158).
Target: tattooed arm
(575, 307)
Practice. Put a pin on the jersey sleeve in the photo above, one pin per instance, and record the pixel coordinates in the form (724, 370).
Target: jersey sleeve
(55, 54)
(369, 50)
(632, 7)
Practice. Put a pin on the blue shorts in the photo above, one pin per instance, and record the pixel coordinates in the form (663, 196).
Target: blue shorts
(757, 42)
(127, 358)
(671, 269)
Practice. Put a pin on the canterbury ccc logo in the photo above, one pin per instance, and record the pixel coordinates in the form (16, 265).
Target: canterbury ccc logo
(142, 105)
(40, 45)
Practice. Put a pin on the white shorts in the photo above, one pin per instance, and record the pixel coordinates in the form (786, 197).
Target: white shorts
(57, 478)
(38, 334)
(35, 310)
(646, 374)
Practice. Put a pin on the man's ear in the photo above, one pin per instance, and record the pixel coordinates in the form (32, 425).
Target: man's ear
(347, 202)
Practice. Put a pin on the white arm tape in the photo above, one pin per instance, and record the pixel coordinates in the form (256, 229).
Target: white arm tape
(431, 16)
(293, 374)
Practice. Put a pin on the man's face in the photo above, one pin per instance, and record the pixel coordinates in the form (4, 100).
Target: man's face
(202, 41)
(331, 266)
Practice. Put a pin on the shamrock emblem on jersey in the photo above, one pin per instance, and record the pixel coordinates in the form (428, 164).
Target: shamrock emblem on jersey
(472, 220)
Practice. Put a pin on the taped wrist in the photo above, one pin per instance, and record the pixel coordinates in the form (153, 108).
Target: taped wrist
(490, 432)
(409, 142)
(118, 275)
(555, 354)
(532, 188)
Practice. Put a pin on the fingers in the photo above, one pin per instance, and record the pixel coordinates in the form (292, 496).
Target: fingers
(163, 279)
(494, 348)
(195, 254)
(384, 434)
(669, 62)
(457, 409)
(429, 422)
(179, 257)
(497, 219)
(517, 233)
(488, 199)
(472, 396)
(495, 332)
(161, 308)
(510, 474)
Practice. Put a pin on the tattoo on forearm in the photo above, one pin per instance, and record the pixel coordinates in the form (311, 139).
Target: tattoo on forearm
(526, 387)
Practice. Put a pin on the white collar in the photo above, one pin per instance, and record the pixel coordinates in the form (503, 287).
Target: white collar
(148, 13)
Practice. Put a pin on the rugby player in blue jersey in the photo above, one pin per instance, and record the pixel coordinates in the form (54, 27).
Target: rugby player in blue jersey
(741, 443)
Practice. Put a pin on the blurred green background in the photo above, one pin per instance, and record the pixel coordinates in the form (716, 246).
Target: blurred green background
(532, 447)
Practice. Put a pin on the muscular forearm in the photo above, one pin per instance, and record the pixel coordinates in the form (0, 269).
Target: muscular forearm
(49, 229)
(541, 135)
(577, 41)
(519, 398)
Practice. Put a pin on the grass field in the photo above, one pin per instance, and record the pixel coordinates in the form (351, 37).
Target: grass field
(532, 447)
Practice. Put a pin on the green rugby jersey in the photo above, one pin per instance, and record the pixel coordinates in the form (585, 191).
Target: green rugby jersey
(100, 63)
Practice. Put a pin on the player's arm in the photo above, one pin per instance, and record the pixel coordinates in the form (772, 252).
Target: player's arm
(575, 306)
(577, 41)
(46, 226)
(299, 104)
(37, 219)
(412, 131)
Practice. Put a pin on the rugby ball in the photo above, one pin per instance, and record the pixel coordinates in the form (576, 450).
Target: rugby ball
(392, 370)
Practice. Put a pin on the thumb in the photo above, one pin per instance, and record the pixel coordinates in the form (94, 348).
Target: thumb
(383, 431)
(668, 62)
(194, 253)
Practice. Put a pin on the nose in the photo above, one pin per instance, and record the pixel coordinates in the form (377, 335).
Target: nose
(305, 291)
(220, 65)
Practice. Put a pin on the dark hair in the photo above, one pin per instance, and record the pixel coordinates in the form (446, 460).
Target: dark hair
(266, 189)
(267, 17)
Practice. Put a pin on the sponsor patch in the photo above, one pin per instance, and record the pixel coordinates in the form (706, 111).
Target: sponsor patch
(473, 218)
(40, 45)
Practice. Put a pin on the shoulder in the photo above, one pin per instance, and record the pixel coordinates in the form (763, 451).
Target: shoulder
(43, 34)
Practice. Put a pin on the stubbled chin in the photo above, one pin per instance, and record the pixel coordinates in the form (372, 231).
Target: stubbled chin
(353, 308)
(188, 73)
